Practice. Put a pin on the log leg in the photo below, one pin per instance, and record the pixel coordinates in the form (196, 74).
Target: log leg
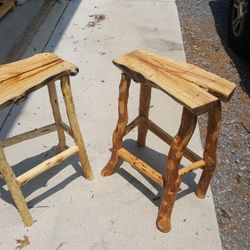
(57, 116)
(121, 125)
(172, 178)
(16, 193)
(70, 109)
(145, 96)
(213, 129)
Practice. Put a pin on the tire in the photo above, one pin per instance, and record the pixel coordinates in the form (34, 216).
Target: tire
(239, 26)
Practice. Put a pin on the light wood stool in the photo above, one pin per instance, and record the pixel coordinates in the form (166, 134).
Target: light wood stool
(199, 92)
(16, 81)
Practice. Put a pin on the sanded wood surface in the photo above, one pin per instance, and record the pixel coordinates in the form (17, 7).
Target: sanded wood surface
(19, 78)
(194, 88)
(141, 166)
(46, 165)
(6, 6)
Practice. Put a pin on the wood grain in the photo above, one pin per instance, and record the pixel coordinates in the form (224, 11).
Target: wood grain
(20, 78)
(194, 88)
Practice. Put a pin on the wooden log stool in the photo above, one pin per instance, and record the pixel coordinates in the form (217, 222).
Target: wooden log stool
(16, 81)
(199, 92)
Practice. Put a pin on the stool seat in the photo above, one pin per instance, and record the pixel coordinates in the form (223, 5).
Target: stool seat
(17, 79)
(194, 88)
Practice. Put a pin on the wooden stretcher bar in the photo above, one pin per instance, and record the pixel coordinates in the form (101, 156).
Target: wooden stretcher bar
(192, 167)
(189, 154)
(133, 124)
(47, 164)
(28, 135)
(141, 166)
(66, 128)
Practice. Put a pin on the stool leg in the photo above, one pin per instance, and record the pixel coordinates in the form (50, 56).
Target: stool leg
(145, 96)
(70, 109)
(214, 120)
(172, 180)
(57, 116)
(121, 125)
(16, 193)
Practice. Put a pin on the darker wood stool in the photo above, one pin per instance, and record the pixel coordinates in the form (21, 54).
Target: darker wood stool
(16, 81)
(199, 92)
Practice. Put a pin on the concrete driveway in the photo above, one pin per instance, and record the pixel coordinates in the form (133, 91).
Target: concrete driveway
(116, 212)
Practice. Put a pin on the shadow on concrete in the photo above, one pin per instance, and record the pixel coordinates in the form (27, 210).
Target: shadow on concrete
(158, 162)
(220, 11)
(42, 180)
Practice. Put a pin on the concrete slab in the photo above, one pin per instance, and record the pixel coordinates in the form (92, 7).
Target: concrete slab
(116, 212)
(13, 25)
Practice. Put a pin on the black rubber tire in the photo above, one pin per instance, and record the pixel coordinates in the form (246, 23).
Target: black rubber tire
(241, 43)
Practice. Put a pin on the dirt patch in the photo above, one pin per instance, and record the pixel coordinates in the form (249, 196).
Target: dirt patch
(22, 243)
(96, 19)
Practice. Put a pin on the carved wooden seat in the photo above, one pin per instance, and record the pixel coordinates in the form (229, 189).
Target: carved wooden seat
(198, 91)
(17, 80)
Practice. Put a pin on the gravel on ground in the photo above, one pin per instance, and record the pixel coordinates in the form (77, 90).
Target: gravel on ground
(204, 30)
